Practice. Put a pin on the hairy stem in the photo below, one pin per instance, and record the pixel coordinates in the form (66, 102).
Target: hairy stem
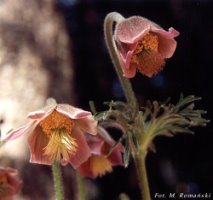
(57, 181)
(140, 162)
(139, 159)
(81, 188)
(110, 19)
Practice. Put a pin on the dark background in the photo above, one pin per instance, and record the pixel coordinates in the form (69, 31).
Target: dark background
(183, 163)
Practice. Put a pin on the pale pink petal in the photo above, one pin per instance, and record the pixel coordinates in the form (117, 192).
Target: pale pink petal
(36, 114)
(72, 112)
(87, 124)
(129, 70)
(171, 34)
(116, 157)
(95, 143)
(130, 73)
(13, 184)
(83, 151)
(85, 170)
(167, 44)
(30, 128)
(174, 33)
(125, 51)
(132, 29)
(126, 60)
(20, 131)
(37, 142)
(40, 114)
(167, 47)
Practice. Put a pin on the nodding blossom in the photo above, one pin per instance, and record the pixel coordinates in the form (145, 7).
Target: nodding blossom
(9, 183)
(143, 46)
(102, 161)
(58, 134)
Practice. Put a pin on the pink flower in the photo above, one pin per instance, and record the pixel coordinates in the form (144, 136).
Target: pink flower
(57, 133)
(143, 45)
(100, 162)
(9, 184)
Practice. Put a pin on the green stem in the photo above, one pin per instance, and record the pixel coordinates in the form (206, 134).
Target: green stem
(110, 19)
(139, 157)
(140, 162)
(92, 107)
(81, 187)
(57, 181)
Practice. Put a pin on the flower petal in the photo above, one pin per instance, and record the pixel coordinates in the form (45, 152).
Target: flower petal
(87, 124)
(85, 170)
(167, 44)
(36, 114)
(128, 69)
(132, 29)
(12, 184)
(116, 156)
(95, 143)
(130, 73)
(20, 131)
(37, 142)
(72, 112)
(15, 184)
(83, 151)
(41, 114)
(84, 119)
(167, 47)
(172, 33)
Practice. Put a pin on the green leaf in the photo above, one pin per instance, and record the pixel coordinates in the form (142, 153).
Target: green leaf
(126, 153)
(115, 145)
(168, 119)
(134, 141)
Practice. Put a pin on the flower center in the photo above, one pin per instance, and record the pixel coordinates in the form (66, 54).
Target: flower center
(55, 121)
(60, 145)
(100, 165)
(148, 43)
(58, 129)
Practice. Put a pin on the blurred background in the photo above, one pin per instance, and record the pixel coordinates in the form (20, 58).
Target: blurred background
(56, 48)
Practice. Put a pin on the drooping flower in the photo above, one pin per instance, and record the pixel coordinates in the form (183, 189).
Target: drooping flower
(100, 163)
(57, 133)
(9, 183)
(143, 46)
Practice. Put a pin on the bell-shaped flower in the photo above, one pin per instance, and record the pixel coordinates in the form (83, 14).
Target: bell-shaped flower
(104, 156)
(9, 183)
(143, 46)
(58, 134)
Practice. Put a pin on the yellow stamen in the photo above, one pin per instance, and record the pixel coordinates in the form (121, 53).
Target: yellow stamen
(100, 165)
(148, 43)
(58, 129)
(61, 145)
(54, 121)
